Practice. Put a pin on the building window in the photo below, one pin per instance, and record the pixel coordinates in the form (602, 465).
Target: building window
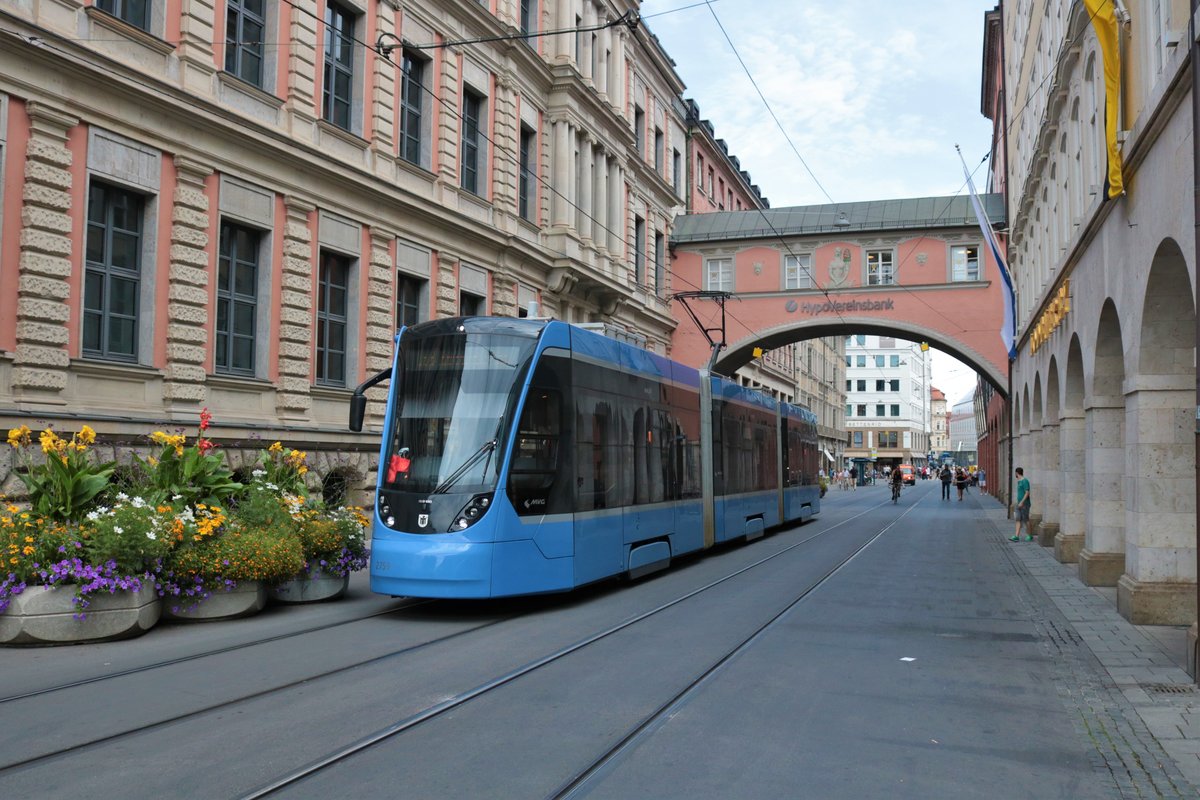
(660, 149)
(849, 385)
(879, 385)
(639, 131)
(526, 193)
(529, 10)
(639, 250)
(849, 410)
(112, 275)
(797, 272)
(895, 410)
(889, 439)
(879, 410)
(333, 291)
(880, 270)
(237, 299)
(861, 339)
(700, 172)
(894, 385)
(660, 258)
(710, 183)
(339, 65)
(895, 361)
(408, 299)
(858, 439)
(718, 277)
(861, 385)
(848, 364)
(471, 305)
(861, 410)
(471, 150)
(412, 105)
(879, 361)
(676, 171)
(965, 263)
(135, 12)
(860, 361)
(245, 24)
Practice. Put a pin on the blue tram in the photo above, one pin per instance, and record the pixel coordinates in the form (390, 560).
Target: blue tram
(523, 456)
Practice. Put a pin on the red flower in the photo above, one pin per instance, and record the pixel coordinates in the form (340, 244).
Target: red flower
(205, 445)
(205, 420)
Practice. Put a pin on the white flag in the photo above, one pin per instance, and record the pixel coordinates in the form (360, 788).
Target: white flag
(1008, 330)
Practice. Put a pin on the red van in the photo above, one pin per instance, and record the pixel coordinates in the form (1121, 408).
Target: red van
(908, 474)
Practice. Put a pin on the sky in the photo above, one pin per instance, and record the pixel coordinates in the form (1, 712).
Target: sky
(873, 96)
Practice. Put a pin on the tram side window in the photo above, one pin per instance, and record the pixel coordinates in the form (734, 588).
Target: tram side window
(535, 457)
(598, 452)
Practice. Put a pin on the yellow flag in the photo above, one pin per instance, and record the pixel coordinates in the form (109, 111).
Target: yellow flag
(1104, 20)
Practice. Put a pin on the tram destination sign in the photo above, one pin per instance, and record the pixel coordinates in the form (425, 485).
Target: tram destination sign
(839, 306)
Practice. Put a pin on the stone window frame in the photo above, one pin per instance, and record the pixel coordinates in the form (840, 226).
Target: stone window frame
(890, 272)
(473, 281)
(951, 267)
(414, 262)
(128, 164)
(803, 266)
(108, 271)
(328, 316)
(426, 113)
(478, 164)
(639, 250)
(268, 55)
(340, 236)
(527, 181)
(356, 67)
(232, 298)
(660, 264)
(720, 285)
(251, 206)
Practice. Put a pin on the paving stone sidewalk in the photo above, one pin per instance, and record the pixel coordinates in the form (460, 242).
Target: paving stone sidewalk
(1144, 676)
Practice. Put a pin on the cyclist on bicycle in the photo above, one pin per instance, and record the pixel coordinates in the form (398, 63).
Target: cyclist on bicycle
(897, 480)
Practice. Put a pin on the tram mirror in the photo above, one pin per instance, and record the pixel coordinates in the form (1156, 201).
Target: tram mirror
(358, 410)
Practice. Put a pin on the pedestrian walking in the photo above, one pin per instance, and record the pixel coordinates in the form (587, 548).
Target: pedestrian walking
(960, 482)
(1024, 501)
(983, 480)
(854, 478)
(945, 477)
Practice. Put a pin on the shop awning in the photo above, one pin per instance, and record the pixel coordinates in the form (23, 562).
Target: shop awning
(828, 455)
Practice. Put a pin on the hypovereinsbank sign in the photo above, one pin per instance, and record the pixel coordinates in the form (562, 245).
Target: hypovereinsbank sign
(814, 309)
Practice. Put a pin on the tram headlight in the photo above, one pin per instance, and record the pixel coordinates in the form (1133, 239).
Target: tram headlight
(471, 512)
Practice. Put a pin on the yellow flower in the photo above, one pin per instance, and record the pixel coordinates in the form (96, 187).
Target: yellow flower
(86, 435)
(275, 448)
(51, 443)
(19, 437)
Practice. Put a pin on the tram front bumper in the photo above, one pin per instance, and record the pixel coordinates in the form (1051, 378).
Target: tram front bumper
(425, 566)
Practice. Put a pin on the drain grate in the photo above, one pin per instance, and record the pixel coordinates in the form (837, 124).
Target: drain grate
(1170, 688)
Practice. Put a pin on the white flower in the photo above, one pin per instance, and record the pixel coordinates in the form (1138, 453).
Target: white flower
(118, 529)
(122, 496)
(258, 473)
(151, 535)
(93, 515)
(138, 502)
(102, 510)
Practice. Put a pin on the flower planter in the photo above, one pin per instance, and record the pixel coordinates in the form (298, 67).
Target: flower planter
(244, 600)
(311, 588)
(46, 615)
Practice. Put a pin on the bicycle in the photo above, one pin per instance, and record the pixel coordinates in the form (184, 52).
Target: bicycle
(895, 492)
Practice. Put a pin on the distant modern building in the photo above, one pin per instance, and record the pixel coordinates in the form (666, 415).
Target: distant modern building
(888, 408)
(964, 437)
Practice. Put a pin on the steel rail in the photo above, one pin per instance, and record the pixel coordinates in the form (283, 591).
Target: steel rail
(450, 703)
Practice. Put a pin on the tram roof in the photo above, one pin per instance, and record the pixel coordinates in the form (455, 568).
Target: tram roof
(869, 216)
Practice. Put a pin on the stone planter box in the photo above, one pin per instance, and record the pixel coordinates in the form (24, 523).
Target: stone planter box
(42, 616)
(244, 600)
(313, 588)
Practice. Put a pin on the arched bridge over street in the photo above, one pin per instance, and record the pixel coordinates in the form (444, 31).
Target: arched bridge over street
(916, 269)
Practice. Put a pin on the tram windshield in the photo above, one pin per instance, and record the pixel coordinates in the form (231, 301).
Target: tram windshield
(453, 400)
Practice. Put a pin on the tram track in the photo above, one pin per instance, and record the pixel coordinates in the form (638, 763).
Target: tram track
(456, 701)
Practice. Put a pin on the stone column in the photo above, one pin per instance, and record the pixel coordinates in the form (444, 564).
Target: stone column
(585, 55)
(1102, 560)
(1036, 474)
(303, 57)
(587, 169)
(616, 201)
(448, 119)
(187, 306)
(504, 294)
(1050, 477)
(195, 45)
(506, 170)
(40, 364)
(600, 200)
(293, 398)
(447, 286)
(381, 316)
(561, 166)
(1159, 587)
(617, 90)
(1072, 495)
(564, 44)
(386, 94)
(604, 42)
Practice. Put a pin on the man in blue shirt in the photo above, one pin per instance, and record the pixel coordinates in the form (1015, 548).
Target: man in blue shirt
(1024, 501)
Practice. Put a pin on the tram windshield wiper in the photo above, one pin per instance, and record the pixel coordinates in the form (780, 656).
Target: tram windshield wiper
(454, 477)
